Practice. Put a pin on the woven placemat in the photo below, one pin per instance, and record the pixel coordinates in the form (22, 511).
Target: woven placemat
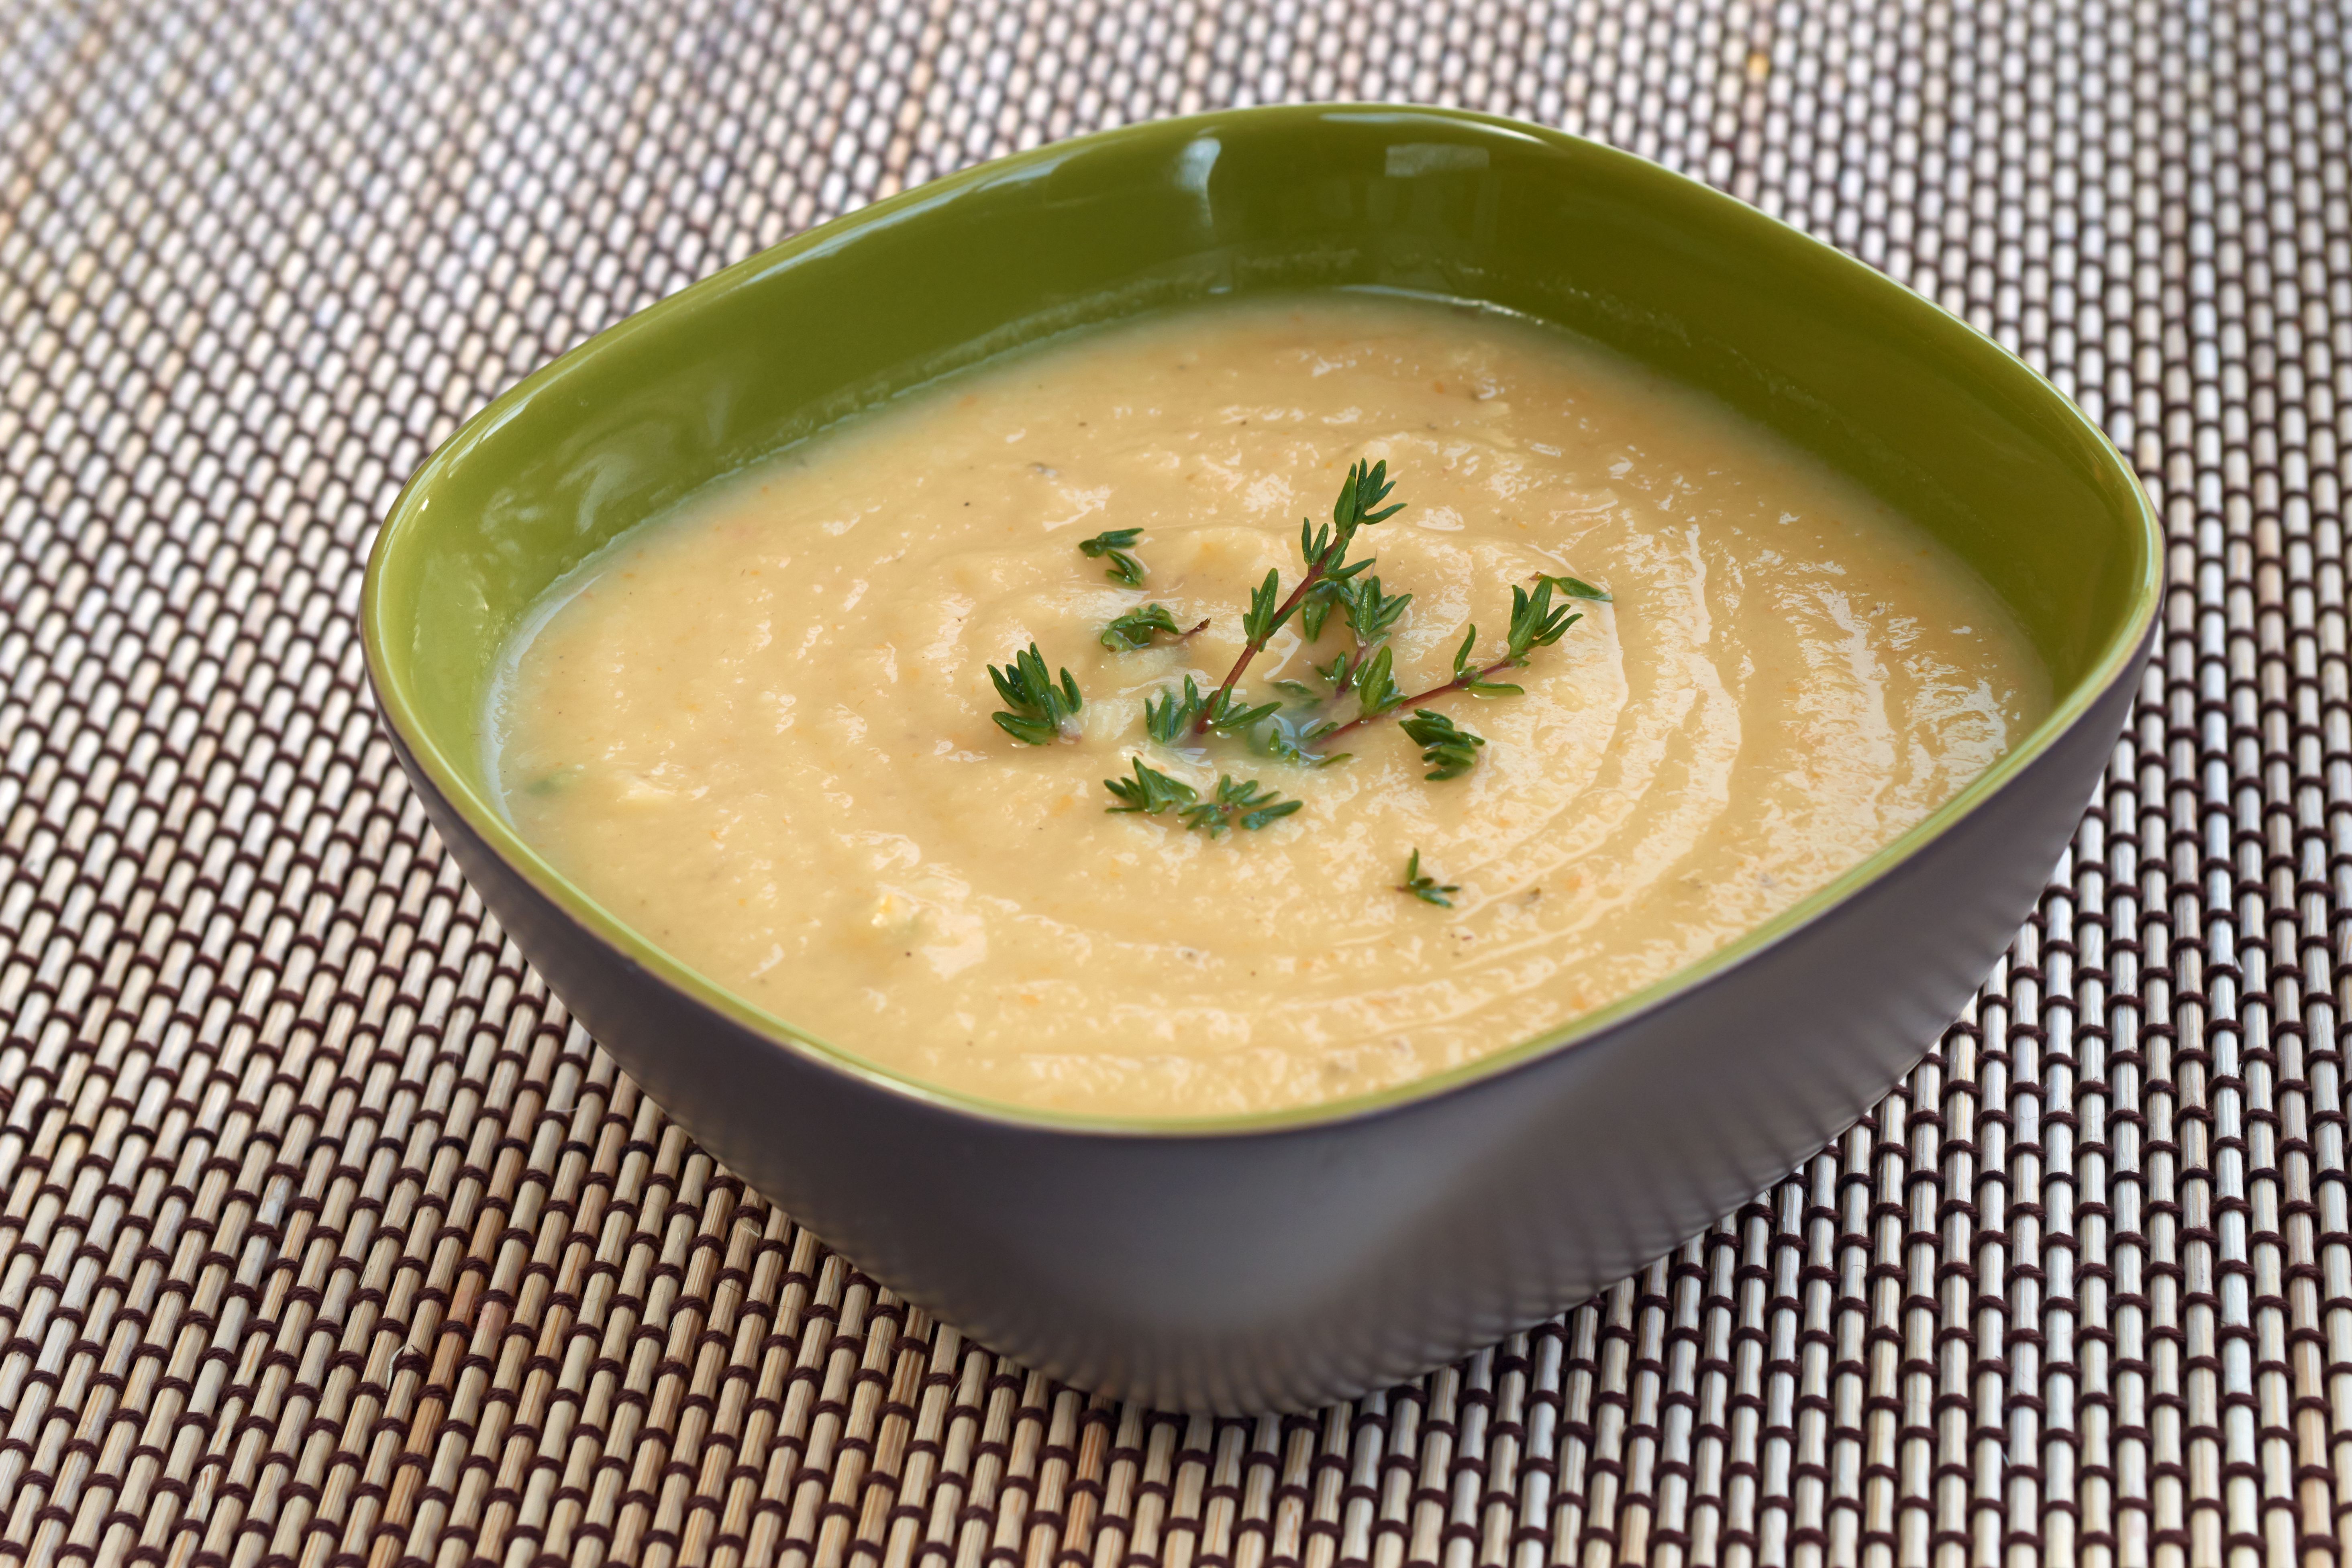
(326, 1237)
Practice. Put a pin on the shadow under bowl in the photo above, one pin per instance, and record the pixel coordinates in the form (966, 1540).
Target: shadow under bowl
(1290, 1259)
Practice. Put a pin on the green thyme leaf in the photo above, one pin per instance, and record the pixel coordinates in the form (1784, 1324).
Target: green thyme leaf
(1372, 614)
(1534, 623)
(1281, 741)
(1317, 606)
(1341, 672)
(1169, 717)
(1133, 630)
(1325, 549)
(1577, 588)
(1113, 543)
(1376, 687)
(1365, 488)
(1450, 749)
(1244, 803)
(1426, 888)
(1040, 712)
(1265, 612)
(1468, 678)
(1150, 792)
(1228, 715)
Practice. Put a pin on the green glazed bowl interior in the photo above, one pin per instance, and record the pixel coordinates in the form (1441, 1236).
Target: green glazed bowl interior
(1910, 401)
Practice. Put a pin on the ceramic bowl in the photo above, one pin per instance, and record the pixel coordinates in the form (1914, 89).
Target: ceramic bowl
(1289, 1259)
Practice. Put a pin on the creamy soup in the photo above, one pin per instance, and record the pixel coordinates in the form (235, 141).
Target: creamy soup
(761, 732)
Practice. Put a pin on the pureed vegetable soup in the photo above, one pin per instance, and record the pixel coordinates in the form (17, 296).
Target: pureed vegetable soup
(762, 730)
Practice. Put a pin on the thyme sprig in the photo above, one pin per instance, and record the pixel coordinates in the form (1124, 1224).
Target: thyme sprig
(1325, 551)
(1450, 749)
(1125, 632)
(1288, 741)
(1239, 803)
(1150, 792)
(1426, 888)
(1315, 608)
(1372, 614)
(1244, 803)
(1376, 687)
(1171, 718)
(1113, 545)
(1535, 623)
(1040, 712)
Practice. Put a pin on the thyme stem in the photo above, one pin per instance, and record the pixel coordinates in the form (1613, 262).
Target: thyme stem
(1459, 683)
(1325, 551)
(1255, 646)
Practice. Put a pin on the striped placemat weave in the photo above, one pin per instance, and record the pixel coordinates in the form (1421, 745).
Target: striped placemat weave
(325, 1237)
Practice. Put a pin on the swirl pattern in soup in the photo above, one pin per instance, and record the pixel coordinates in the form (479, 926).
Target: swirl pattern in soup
(759, 729)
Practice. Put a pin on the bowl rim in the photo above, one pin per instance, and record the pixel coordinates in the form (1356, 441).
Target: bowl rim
(2117, 661)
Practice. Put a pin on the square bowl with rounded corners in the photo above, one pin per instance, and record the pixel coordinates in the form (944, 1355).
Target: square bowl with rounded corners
(1288, 1258)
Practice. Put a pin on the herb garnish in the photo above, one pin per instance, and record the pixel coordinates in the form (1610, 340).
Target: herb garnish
(1535, 623)
(1114, 543)
(1328, 571)
(1285, 740)
(1151, 792)
(1040, 712)
(1574, 588)
(1449, 750)
(1427, 889)
(1244, 803)
(1171, 718)
(1371, 613)
(1133, 630)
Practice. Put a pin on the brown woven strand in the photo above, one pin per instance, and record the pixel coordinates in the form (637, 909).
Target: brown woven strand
(325, 1236)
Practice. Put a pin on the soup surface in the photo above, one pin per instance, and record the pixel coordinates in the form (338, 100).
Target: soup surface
(760, 729)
